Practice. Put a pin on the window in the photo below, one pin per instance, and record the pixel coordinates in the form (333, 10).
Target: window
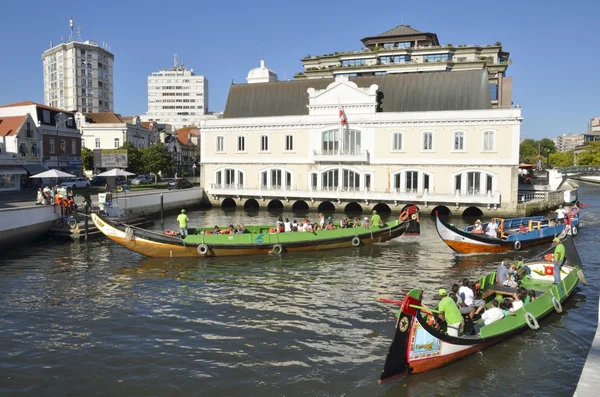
(330, 180)
(473, 182)
(220, 144)
(489, 144)
(437, 58)
(29, 130)
(51, 146)
(397, 142)
(412, 181)
(46, 116)
(368, 182)
(73, 146)
(97, 143)
(494, 92)
(428, 141)
(117, 144)
(264, 143)
(350, 180)
(276, 179)
(351, 142)
(426, 182)
(63, 146)
(82, 142)
(241, 143)
(289, 143)
(229, 177)
(457, 183)
(489, 183)
(354, 62)
(459, 141)
(34, 151)
(313, 180)
(329, 142)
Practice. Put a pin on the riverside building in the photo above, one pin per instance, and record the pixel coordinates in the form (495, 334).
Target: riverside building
(78, 76)
(361, 142)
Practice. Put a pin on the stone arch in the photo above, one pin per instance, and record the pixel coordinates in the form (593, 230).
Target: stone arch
(300, 205)
(382, 208)
(275, 205)
(326, 206)
(228, 203)
(473, 212)
(251, 204)
(353, 207)
(408, 205)
(442, 209)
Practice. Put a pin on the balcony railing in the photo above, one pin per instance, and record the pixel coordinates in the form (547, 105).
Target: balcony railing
(353, 194)
(348, 156)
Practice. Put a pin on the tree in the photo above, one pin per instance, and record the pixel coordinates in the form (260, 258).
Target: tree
(547, 147)
(87, 158)
(561, 159)
(591, 154)
(156, 158)
(528, 150)
(134, 158)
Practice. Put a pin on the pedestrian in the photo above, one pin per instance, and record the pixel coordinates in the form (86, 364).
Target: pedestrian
(558, 258)
(183, 223)
(40, 197)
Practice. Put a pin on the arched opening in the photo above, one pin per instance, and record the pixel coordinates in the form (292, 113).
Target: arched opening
(300, 205)
(326, 206)
(382, 208)
(275, 205)
(472, 212)
(442, 210)
(251, 204)
(228, 203)
(353, 208)
(409, 205)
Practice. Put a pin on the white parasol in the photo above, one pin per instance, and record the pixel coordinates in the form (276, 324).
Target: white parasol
(53, 174)
(115, 172)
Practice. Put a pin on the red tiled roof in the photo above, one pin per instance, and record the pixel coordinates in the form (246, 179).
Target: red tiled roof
(183, 134)
(147, 124)
(11, 125)
(104, 118)
(39, 105)
(127, 118)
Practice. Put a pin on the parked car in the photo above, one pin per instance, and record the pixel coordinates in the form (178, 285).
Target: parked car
(76, 183)
(142, 179)
(98, 180)
(180, 183)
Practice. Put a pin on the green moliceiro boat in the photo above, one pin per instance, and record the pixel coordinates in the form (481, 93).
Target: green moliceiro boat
(418, 347)
(256, 239)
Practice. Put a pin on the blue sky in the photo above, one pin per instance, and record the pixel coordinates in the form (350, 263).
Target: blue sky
(554, 44)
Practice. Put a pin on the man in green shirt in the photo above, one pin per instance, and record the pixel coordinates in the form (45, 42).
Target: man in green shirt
(558, 258)
(449, 311)
(183, 223)
(376, 219)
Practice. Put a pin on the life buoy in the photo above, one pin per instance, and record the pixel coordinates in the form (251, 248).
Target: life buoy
(404, 215)
(517, 245)
(355, 241)
(574, 230)
(556, 304)
(277, 249)
(119, 188)
(202, 249)
(574, 210)
(72, 223)
(531, 321)
(170, 233)
(413, 217)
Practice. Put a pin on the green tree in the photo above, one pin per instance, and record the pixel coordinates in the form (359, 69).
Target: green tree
(528, 150)
(134, 158)
(591, 154)
(156, 158)
(547, 147)
(561, 159)
(87, 158)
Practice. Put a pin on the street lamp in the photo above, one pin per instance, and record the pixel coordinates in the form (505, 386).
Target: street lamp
(58, 120)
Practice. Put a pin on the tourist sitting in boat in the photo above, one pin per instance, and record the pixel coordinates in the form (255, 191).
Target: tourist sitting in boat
(321, 220)
(449, 312)
(503, 276)
(356, 222)
(279, 225)
(365, 222)
(294, 226)
(241, 229)
(521, 266)
(329, 225)
(517, 302)
(492, 229)
(523, 228)
(344, 223)
(494, 313)
(467, 294)
(531, 295)
(462, 306)
(216, 230)
(477, 227)
(287, 225)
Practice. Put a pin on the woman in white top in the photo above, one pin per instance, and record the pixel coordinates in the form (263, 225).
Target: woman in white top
(517, 302)
(321, 220)
(287, 226)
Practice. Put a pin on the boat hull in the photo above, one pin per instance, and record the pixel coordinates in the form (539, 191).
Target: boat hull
(160, 246)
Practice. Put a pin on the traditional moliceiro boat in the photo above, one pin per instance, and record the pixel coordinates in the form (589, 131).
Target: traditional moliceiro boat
(538, 230)
(255, 240)
(418, 346)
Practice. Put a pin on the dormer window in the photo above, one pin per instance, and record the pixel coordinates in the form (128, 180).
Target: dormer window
(29, 131)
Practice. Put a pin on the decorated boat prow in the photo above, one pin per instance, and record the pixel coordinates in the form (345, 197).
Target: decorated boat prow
(420, 345)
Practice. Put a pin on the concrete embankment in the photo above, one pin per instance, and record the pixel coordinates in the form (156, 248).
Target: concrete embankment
(23, 223)
(589, 382)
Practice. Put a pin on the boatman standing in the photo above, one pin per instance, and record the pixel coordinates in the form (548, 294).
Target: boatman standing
(449, 311)
(183, 223)
(376, 219)
(558, 258)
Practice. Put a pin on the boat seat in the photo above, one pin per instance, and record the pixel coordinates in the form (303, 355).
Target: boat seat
(498, 289)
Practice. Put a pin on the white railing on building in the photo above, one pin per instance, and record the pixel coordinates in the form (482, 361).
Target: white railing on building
(341, 156)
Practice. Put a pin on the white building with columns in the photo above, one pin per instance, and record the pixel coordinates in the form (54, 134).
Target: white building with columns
(428, 139)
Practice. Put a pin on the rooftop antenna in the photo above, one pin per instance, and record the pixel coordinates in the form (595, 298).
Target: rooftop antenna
(79, 33)
(401, 14)
(175, 60)
(284, 75)
(71, 24)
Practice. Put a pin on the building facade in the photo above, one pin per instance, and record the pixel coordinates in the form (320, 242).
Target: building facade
(566, 142)
(177, 96)
(594, 125)
(60, 140)
(108, 130)
(433, 140)
(407, 50)
(78, 77)
(183, 146)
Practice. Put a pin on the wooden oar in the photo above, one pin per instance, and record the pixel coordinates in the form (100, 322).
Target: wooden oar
(425, 309)
(386, 300)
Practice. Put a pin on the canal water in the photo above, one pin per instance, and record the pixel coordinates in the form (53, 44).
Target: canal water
(100, 320)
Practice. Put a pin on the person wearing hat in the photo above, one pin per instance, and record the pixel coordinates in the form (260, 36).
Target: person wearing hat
(558, 258)
(376, 219)
(477, 227)
(183, 223)
(449, 312)
(365, 222)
